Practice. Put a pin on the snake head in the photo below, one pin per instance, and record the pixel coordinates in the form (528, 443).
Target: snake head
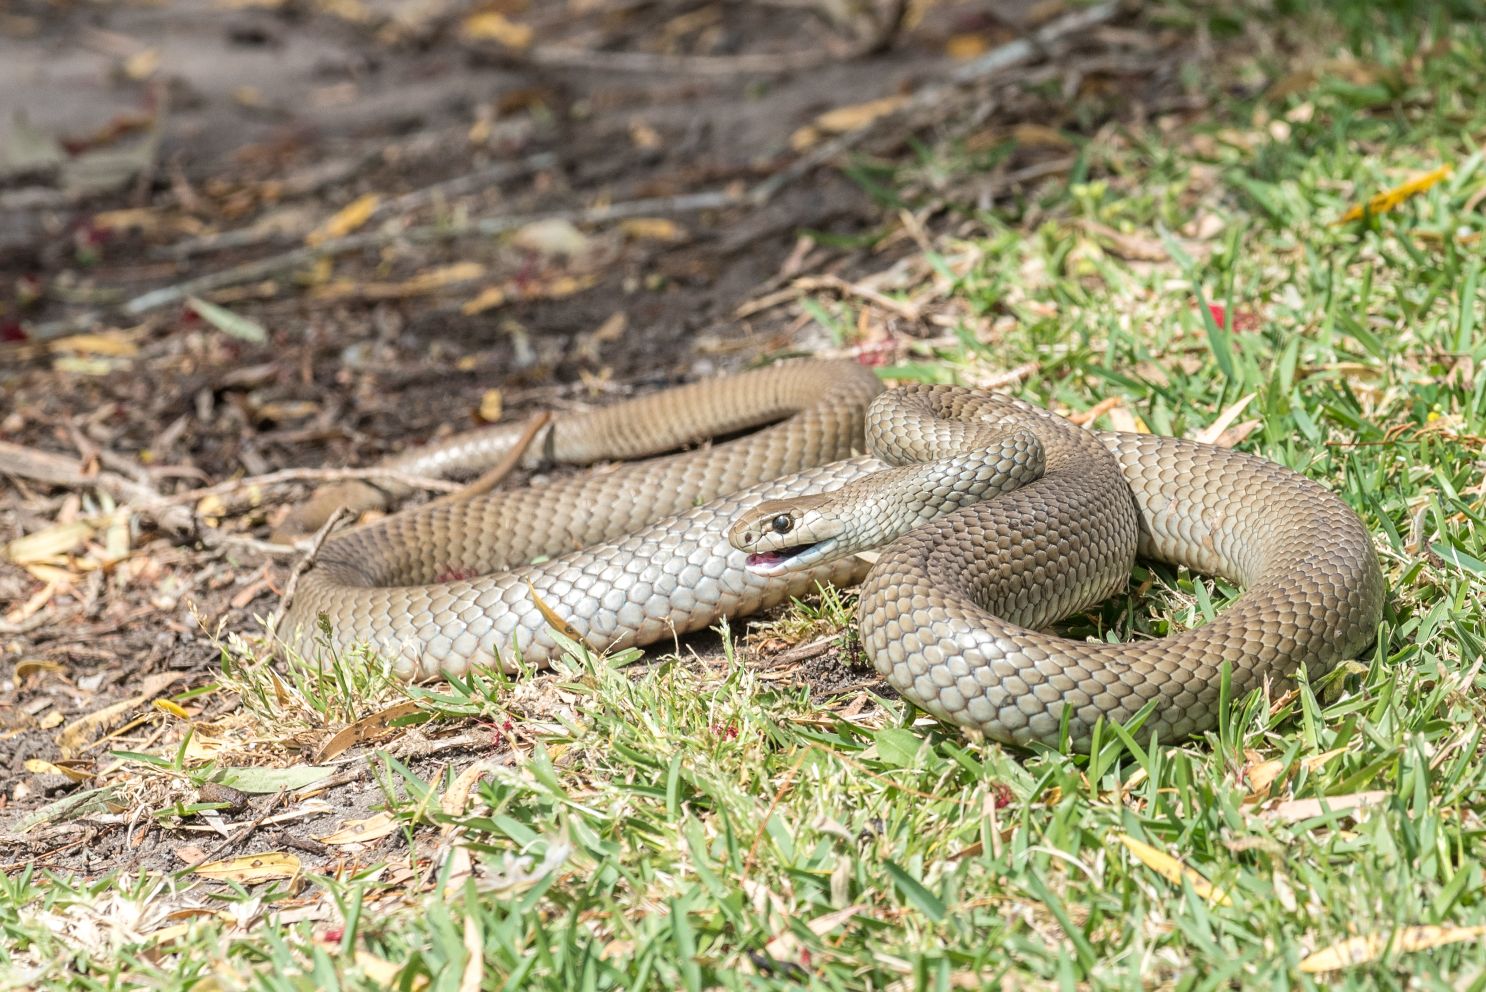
(785, 535)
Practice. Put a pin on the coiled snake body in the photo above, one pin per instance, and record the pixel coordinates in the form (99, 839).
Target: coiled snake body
(1021, 520)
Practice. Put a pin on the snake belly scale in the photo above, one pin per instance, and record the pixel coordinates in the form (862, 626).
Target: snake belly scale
(951, 612)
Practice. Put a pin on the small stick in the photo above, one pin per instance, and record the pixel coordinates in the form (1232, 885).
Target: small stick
(287, 475)
(492, 476)
(304, 566)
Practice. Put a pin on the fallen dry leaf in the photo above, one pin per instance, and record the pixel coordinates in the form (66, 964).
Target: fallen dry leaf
(1211, 433)
(1171, 869)
(251, 868)
(653, 229)
(1292, 810)
(488, 298)
(362, 831)
(489, 25)
(1362, 950)
(110, 344)
(1389, 199)
(492, 405)
(347, 219)
(373, 727)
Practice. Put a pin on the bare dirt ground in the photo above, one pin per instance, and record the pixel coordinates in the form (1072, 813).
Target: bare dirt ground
(418, 212)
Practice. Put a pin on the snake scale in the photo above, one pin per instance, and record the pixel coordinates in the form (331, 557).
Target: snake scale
(994, 519)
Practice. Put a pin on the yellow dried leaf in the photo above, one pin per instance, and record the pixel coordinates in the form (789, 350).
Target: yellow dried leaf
(169, 934)
(1389, 199)
(71, 772)
(552, 237)
(141, 219)
(803, 138)
(59, 539)
(563, 287)
(488, 298)
(142, 65)
(787, 945)
(85, 366)
(554, 620)
(644, 136)
(346, 220)
(419, 285)
(966, 46)
(173, 708)
(445, 275)
(203, 748)
(36, 666)
(1261, 776)
(492, 404)
(251, 868)
(652, 229)
(1171, 869)
(373, 727)
(42, 596)
(457, 797)
(79, 734)
(211, 508)
(362, 831)
(1362, 950)
(858, 115)
(491, 26)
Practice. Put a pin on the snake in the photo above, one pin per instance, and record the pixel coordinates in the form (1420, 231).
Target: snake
(973, 521)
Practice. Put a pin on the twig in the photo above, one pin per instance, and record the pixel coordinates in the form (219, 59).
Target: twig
(492, 476)
(246, 830)
(304, 566)
(1026, 49)
(803, 652)
(749, 63)
(287, 475)
(809, 284)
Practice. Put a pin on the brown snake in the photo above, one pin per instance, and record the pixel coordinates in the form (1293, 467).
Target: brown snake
(1015, 519)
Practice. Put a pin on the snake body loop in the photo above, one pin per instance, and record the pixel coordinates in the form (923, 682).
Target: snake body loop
(950, 611)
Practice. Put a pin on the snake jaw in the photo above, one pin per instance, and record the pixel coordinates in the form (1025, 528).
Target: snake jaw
(792, 558)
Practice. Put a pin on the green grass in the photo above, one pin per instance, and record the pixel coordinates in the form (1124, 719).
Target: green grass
(690, 826)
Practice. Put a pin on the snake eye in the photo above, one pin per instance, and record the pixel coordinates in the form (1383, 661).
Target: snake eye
(782, 524)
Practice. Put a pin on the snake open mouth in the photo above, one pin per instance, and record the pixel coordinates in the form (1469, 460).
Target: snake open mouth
(770, 561)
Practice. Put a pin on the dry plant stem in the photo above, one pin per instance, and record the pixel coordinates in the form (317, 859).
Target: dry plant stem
(247, 829)
(802, 652)
(810, 284)
(287, 475)
(694, 65)
(492, 476)
(304, 565)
